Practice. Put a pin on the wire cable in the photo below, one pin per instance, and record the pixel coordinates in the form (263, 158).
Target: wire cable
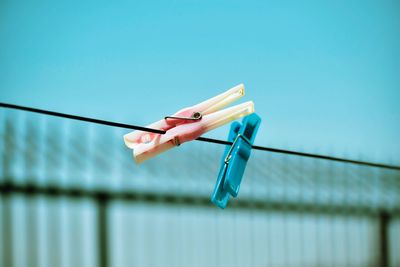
(80, 118)
(202, 139)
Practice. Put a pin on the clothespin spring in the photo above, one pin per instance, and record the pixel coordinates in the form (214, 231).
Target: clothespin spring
(196, 116)
(229, 155)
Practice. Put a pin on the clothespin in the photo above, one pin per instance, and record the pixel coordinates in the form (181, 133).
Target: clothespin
(188, 124)
(235, 159)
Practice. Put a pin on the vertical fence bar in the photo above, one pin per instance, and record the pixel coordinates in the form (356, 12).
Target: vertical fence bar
(7, 231)
(384, 222)
(30, 202)
(102, 227)
(9, 148)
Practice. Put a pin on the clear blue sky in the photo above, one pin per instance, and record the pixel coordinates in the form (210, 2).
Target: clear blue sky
(324, 76)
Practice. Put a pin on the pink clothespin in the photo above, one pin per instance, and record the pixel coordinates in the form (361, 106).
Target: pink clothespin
(188, 124)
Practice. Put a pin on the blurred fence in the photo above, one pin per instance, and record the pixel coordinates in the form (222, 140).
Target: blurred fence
(71, 195)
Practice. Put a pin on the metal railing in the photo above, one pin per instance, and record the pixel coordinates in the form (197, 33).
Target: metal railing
(291, 210)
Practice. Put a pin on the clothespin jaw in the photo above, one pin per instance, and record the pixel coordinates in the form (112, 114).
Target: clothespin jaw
(235, 159)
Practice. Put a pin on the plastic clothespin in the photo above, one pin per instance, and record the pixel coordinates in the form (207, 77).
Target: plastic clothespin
(188, 124)
(235, 159)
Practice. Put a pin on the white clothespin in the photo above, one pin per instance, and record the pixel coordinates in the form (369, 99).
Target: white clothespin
(188, 124)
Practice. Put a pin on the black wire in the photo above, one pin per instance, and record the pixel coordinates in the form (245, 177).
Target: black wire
(80, 118)
(303, 154)
(202, 139)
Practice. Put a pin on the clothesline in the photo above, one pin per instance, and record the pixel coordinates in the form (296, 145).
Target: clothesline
(202, 139)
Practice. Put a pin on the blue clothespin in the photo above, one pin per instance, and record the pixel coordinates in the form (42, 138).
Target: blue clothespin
(235, 159)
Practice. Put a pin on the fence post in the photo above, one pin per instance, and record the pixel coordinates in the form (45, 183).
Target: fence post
(102, 227)
(384, 246)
